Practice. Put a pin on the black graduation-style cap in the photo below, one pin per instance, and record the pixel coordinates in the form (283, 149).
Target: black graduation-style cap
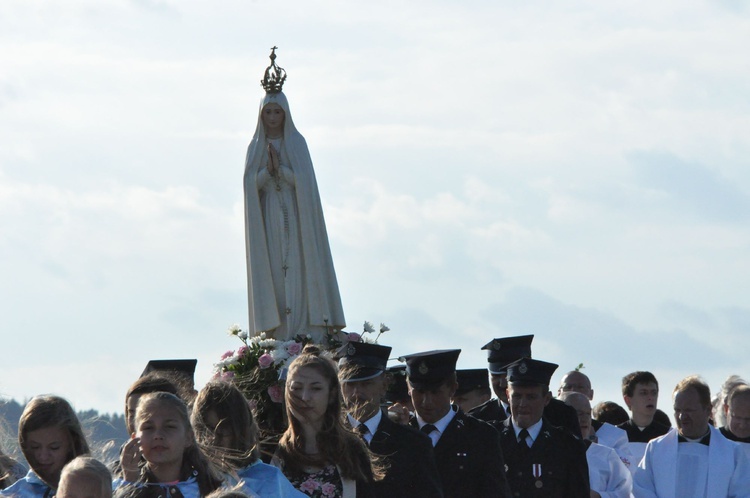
(430, 368)
(180, 367)
(470, 379)
(362, 360)
(530, 372)
(504, 351)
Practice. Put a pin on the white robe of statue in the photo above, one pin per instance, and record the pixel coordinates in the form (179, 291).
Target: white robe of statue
(292, 286)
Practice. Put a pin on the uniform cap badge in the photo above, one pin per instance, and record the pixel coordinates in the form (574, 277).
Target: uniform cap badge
(423, 368)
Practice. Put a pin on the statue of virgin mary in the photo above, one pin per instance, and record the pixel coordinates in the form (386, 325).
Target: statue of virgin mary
(292, 287)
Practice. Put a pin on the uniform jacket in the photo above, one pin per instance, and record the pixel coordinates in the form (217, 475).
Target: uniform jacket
(411, 472)
(469, 459)
(554, 466)
(556, 412)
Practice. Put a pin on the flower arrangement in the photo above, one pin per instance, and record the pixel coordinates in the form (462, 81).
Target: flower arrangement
(257, 368)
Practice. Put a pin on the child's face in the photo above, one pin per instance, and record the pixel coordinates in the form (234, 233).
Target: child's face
(163, 434)
(79, 485)
(223, 437)
(48, 450)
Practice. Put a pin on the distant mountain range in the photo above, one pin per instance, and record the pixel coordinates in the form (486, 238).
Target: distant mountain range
(105, 433)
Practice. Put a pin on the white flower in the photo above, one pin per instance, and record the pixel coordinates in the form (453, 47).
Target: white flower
(279, 355)
(368, 328)
(234, 329)
(268, 343)
(383, 328)
(243, 334)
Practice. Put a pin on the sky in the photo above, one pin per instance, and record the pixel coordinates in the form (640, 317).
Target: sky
(573, 170)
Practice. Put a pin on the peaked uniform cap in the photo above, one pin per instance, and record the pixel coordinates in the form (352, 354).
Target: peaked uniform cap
(397, 390)
(530, 372)
(505, 350)
(362, 360)
(430, 368)
(470, 379)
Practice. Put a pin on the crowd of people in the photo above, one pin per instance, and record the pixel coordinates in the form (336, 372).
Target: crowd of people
(356, 428)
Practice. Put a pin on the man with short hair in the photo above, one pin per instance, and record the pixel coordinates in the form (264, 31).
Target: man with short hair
(695, 460)
(640, 390)
(542, 460)
(608, 475)
(737, 412)
(602, 433)
(501, 353)
(473, 388)
(467, 450)
(407, 453)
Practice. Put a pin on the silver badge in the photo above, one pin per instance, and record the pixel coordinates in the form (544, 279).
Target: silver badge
(423, 368)
(351, 350)
(522, 368)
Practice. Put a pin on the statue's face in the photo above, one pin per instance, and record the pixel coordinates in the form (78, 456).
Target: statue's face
(273, 119)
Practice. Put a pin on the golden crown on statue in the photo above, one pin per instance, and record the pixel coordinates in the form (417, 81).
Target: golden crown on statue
(274, 77)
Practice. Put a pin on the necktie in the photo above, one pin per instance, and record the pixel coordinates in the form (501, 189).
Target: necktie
(363, 431)
(428, 428)
(522, 436)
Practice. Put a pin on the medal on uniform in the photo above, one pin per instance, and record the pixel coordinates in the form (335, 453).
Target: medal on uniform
(536, 470)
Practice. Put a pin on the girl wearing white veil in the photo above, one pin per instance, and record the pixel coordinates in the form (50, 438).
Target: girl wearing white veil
(292, 287)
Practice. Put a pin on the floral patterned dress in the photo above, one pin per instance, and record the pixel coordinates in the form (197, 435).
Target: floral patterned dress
(325, 483)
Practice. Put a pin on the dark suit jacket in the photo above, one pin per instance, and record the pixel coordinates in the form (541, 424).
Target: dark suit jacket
(469, 459)
(556, 412)
(557, 458)
(408, 454)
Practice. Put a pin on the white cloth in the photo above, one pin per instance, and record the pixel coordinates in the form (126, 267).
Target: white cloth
(608, 475)
(617, 439)
(292, 286)
(664, 469)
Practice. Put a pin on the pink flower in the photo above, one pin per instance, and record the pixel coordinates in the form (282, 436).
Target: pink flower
(226, 355)
(294, 348)
(354, 337)
(265, 360)
(227, 376)
(241, 352)
(276, 392)
(328, 489)
(308, 486)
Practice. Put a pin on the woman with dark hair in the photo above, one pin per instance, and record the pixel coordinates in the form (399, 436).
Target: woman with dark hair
(225, 427)
(318, 453)
(50, 436)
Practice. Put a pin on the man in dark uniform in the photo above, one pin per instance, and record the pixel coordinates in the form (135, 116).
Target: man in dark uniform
(501, 353)
(467, 450)
(542, 460)
(473, 388)
(408, 455)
